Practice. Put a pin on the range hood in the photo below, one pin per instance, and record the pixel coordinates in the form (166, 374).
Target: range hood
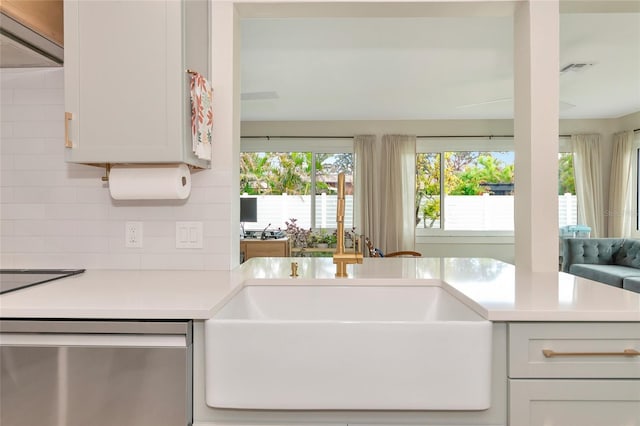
(21, 47)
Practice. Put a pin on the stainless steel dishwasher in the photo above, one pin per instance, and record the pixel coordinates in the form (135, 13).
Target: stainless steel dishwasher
(99, 373)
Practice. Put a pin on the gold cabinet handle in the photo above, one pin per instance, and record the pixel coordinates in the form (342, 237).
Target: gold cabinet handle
(550, 353)
(67, 118)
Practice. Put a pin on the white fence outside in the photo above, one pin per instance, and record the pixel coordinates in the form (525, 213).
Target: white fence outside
(463, 212)
(276, 209)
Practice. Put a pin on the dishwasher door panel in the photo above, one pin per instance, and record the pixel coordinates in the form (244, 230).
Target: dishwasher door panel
(98, 386)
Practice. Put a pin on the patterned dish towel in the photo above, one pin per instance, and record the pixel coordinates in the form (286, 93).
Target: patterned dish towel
(201, 115)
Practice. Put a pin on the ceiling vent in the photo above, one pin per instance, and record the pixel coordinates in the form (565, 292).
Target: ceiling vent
(577, 67)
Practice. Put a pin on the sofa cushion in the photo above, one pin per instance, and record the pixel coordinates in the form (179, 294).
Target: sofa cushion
(608, 274)
(629, 254)
(631, 283)
(601, 251)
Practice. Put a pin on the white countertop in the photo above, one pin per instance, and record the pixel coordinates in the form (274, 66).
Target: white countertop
(494, 289)
(123, 294)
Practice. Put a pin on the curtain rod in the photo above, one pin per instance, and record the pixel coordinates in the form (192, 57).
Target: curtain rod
(417, 137)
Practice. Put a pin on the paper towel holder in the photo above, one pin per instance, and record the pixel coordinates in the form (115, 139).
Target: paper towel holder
(107, 170)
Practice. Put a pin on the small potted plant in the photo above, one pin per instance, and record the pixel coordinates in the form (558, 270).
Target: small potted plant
(299, 237)
(322, 238)
(333, 239)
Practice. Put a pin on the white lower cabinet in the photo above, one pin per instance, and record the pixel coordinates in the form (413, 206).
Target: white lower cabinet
(574, 374)
(574, 402)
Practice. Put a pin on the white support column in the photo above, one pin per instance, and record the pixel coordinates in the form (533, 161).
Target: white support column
(225, 73)
(536, 114)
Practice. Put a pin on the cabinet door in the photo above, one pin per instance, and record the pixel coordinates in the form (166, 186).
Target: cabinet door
(574, 402)
(123, 80)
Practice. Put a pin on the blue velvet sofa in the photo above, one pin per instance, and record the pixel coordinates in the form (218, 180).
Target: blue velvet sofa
(613, 261)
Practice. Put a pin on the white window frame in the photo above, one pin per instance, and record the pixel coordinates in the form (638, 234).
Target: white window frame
(564, 147)
(274, 144)
(635, 231)
(442, 145)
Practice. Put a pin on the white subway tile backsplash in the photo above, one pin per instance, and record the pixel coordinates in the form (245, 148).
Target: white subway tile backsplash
(7, 162)
(91, 195)
(184, 261)
(29, 194)
(24, 146)
(22, 211)
(7, 227)
(76, 211)
(87, 228)
(40, 96)
(33, 178)
(64, 195)
(122, 261)
(54, 146)
(29, 228)
(6, 130)
(140, 210)
(59, 215)
(35, 129)
(32, 113)
(76, 244)
(23, 244)
(52, 260)
(39, 162)
(6, 96)
(27, 78)
(54, 79)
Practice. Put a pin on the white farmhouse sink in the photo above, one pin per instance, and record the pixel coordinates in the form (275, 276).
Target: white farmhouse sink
(340, 347)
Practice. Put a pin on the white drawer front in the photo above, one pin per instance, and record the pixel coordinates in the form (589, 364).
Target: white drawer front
(574, 402)
(578, 350)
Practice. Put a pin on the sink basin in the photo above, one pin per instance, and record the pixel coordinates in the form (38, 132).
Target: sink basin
(347, 347)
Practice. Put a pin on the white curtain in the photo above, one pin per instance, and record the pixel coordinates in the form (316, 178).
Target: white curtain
(588, 171)
(367, 214)
(621, 187)
(397, 173)
(385, 190)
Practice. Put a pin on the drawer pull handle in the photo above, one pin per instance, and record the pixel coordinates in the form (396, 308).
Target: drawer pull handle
(549, 353)
(67, 118)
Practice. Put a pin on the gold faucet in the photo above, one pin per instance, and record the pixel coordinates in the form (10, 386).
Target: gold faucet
(341, 258)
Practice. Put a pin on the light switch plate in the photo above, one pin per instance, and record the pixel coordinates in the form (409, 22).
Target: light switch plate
(189, 235)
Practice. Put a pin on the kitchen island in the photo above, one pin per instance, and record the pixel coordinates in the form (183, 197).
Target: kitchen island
(527, 310)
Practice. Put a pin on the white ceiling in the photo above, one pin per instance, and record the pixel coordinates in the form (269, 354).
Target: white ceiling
(427, 67)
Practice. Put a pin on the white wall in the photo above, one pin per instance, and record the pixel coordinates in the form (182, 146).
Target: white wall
(58, 215)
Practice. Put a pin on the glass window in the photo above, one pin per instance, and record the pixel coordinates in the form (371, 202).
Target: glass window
(568, 202)
(476, 193)
(328, 166)
(300, 185)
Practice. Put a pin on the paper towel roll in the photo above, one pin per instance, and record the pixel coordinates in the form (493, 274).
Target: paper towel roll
(150, 182)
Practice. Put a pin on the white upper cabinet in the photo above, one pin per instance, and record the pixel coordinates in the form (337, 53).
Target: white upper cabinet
(126, 85)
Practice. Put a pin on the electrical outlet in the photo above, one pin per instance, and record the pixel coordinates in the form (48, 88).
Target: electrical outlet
(133, 234)
(188, 234)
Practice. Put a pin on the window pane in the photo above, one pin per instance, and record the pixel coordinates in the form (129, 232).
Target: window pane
(567, 200)
(282, 180)
(328, 166)
(428, 190)
(479, 191)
